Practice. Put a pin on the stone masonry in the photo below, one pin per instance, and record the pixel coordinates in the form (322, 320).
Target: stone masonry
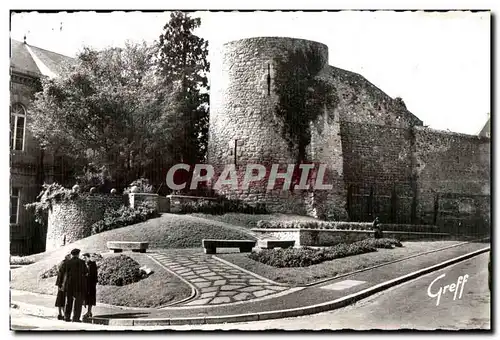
(380, 159)
(71, 221)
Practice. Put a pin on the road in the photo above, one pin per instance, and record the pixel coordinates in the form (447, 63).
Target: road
(406, 306)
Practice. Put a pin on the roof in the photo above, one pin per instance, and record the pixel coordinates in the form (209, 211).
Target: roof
(485, 131)
(36, 61)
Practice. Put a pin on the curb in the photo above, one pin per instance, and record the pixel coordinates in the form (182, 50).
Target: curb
(35, 310)
(387, 263)
(326, 306)
(194, 291)
(99, 304)
(249, 272)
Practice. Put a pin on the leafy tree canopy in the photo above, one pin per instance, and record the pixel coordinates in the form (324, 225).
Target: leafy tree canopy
(110, 111)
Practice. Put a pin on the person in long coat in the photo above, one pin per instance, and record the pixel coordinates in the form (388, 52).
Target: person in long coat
(378, 230)
(61, 296)
(75, 286)
(90, 298)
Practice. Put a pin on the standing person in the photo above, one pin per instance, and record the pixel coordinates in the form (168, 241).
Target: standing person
(74, 286)
(378, 230)
(90, 298)
(61, 295)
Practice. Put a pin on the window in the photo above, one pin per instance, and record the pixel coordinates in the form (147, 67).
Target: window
(14, 205)
(17, 126)
(268, 79)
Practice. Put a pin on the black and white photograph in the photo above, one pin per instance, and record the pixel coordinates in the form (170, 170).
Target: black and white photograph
(252, 170)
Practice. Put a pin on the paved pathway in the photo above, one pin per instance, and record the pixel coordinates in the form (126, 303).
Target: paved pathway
(217, 282)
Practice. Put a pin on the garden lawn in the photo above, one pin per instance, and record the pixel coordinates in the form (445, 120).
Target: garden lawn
(158, 289)
(303, 275)
(166, 231)
(249, 221)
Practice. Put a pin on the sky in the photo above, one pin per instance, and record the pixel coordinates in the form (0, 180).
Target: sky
(439, 63)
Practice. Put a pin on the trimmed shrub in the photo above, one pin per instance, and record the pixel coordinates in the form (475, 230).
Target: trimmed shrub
(387, 243)
(55, 268)
(221, 206)
(20, 260)
(112, 271)
(119, 271)
(304, 257)
(51, 272)
(343, 226)
(124, 216)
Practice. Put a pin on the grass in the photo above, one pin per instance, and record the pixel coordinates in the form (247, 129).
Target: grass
(303, 275)
(249, 221)
(166, 231)
(166, 287)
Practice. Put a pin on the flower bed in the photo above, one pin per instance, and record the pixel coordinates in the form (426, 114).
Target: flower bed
(305, 257)
(323, 225)
(112, 271)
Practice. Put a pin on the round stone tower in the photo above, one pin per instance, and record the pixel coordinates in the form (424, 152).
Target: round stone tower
(244, 127)
(243, 101)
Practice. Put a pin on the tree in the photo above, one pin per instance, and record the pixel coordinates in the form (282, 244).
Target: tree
(110, 113)
(183, 61)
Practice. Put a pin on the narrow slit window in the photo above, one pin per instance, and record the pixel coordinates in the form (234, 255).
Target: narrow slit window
(268, 79)
(235, 150)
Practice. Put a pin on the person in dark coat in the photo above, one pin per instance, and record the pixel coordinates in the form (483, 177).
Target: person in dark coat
(378, 230)
(61, 296)
(75, 286)
(90, 298)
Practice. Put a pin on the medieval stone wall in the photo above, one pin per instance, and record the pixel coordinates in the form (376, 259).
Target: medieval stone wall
(453, 179)
(379, 158)
(359, 101)
(71, 221)
(377, 166)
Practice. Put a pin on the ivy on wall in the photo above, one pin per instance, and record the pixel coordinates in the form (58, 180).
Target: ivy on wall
(302, 96)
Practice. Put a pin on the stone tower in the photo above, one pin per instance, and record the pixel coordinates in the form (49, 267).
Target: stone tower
(244, 127)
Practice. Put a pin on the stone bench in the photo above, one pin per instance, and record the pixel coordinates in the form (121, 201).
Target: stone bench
(270, 244)
(119, 246)
(210, 246)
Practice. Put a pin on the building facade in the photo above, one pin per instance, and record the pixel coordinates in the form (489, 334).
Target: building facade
(30, 166)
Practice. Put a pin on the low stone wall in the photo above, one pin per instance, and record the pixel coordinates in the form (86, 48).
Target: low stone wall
(71, 221)
(135, 199)
(330, 237)
(175, 201)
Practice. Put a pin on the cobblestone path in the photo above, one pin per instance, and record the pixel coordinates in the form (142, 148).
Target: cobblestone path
(216, 282)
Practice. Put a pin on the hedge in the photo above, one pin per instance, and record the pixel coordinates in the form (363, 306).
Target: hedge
(111, 271)
(343, 226)
(124, 216)
(304, 257)
(221, 206)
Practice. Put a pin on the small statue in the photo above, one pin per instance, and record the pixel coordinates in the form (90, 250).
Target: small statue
(376, 227)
